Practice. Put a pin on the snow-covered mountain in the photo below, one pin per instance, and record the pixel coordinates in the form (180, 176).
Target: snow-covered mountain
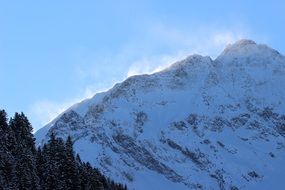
(199, 124)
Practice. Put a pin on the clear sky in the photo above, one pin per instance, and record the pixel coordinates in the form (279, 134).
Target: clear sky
(54, 53)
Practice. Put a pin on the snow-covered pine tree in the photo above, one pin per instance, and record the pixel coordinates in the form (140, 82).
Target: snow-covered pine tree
(41, 163)
(93, 181)
(7, 160)
(25, 169)
(54, 152)
(71, 170)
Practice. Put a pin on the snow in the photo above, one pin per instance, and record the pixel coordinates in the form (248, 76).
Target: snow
(140, 132)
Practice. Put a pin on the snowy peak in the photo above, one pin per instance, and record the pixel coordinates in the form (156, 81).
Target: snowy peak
(196, 125)
(240, 45)
(248, 49)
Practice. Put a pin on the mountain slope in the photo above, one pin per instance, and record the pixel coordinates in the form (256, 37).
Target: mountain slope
(199, 124)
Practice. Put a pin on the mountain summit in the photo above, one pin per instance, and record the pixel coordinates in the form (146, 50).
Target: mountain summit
(198, 124)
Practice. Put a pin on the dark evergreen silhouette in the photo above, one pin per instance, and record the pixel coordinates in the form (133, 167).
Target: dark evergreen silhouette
(7, 159)
(24, 153)
(72, 179)
(52, 166)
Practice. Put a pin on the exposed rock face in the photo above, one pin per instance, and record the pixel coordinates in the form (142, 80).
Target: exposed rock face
(199, 124)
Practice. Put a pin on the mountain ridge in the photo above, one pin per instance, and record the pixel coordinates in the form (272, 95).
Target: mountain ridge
(186, 126)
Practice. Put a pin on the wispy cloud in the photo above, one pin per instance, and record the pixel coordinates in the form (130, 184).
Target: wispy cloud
(226, 37)
(153, 64)
(209, 43)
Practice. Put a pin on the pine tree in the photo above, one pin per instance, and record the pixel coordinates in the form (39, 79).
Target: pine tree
(54, 175)
(41, 163)
(7, 160)
(71, 170)
(24, 153)
(92, 179)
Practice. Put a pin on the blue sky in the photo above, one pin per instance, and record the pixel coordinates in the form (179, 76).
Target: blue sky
(56, 53)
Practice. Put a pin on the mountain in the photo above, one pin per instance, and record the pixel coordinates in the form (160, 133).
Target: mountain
(199, 124)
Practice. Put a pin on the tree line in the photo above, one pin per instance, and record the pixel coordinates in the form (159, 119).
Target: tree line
(54, 166)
